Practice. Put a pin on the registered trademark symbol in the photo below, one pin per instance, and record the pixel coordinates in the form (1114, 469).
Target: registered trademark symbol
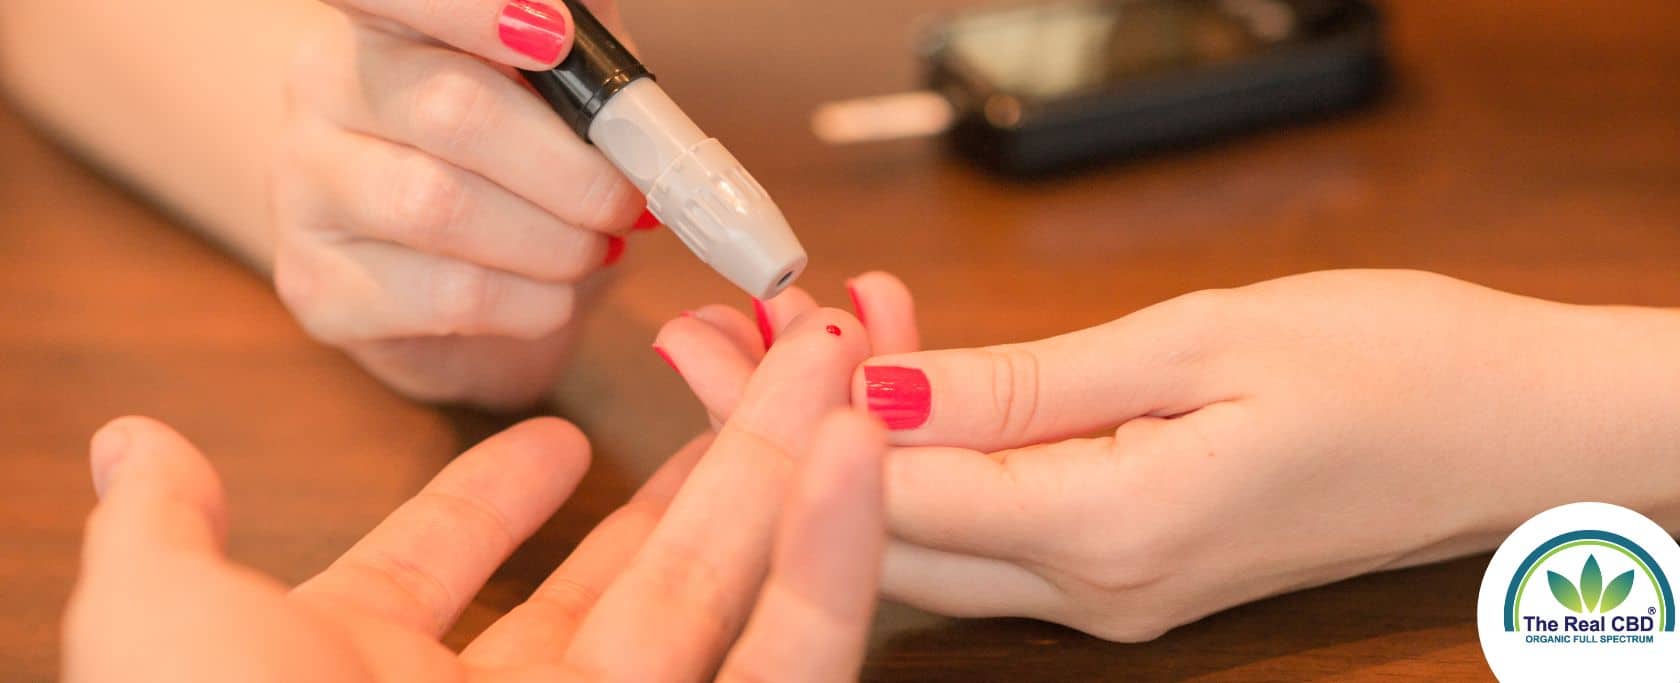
(1650, 610)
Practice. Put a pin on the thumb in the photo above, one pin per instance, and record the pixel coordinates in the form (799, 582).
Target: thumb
(999, 397)
(158, 495)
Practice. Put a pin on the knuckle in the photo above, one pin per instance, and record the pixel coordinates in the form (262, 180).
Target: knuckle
(417, 367)
(451, 109)
(308, 68)
(475, 517)
(430, 202)
(568, 597)
(462, 296)
(684, 577)
(1112, 564)
(420, 592)
(578, 253)
(317, 64)
(1015, 390)
(1125, 627)
(298, 283)
(610, 202)
(1125, 564)
(295, 197)
(292, 278)
(548, 316)
(1197, 321)
(1113, 572)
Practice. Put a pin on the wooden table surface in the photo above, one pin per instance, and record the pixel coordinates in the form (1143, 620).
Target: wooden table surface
(1530, 146)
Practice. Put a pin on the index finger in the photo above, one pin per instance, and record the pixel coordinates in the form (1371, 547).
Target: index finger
(675, 609)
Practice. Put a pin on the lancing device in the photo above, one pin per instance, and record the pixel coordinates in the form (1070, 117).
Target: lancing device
(693, 185)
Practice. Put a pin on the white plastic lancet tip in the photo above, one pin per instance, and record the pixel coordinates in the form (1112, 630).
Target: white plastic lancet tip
(697, 189)
(728, 220)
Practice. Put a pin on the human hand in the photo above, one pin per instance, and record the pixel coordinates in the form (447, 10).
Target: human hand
(660, 590)
(433, 217)
(1255, 441)
(716, 348)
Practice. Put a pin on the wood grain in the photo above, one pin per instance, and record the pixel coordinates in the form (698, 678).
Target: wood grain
(1530, 146)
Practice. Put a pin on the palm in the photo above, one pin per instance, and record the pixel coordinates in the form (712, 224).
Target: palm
(639, 599)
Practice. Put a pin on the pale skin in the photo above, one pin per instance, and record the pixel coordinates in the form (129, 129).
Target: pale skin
(751, 555)
(1247, 442)
(417, 206)
(1230, 445)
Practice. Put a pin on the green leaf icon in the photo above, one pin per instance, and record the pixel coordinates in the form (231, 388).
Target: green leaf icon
(1592, 582)
(1564, 591)
(1617, 591)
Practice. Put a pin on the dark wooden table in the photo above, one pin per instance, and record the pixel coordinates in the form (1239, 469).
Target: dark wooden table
(1530, 146)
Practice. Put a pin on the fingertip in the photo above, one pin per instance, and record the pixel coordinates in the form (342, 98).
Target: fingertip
(539, 34)
(692, 337)
(895, 390)
(118, 440)
(712, 363)
(150, 474)
(625, 209)
(761, 316)
(551, 437)
(885, 304)
(733, 324)
(880, 281)
(827, 331)
(106, 449)
(802, 378)
(775, 314)
(646, 221)
(857, 303)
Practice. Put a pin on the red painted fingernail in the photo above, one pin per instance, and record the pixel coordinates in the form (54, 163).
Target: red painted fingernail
(899, 396)
(857, 304)
(667, 358)
(833, 329)
(647, 221)
(764, 329)
(615, 250)
(533, 29)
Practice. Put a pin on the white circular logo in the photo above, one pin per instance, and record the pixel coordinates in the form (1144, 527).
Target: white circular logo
(1582, 592)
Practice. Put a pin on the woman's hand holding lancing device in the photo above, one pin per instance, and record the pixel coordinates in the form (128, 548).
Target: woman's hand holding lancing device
(434, 217)
(1230, 445)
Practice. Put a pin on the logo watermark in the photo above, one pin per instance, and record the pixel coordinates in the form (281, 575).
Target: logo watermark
(1582, 590)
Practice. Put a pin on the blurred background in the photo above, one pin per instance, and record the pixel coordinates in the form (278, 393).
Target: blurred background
(1532, 147)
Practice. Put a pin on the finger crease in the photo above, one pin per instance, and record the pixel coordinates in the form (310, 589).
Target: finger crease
(503, 528)
(408, 579)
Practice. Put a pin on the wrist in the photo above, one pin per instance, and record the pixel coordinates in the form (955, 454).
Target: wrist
(1598, 405)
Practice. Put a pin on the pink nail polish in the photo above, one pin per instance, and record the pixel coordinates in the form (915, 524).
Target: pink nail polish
(532, 29)
(857, 304)
(615, 251)
(667, 357)
(900, 397)
(764, 329)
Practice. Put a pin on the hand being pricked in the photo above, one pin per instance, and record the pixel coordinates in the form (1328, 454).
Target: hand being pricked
(752, 554)
(716, 348)
(1229, 445)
